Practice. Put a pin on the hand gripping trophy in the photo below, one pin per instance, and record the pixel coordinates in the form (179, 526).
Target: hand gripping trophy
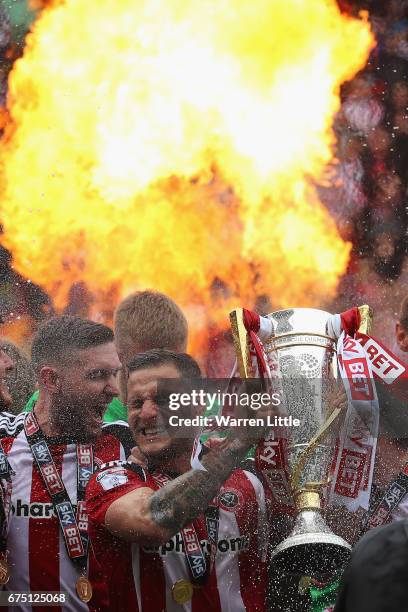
(296, 350)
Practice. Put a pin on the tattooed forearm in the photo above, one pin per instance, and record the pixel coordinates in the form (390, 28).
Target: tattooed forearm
(186, 497)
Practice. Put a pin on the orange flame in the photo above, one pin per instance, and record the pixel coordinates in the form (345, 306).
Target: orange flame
(164, 144)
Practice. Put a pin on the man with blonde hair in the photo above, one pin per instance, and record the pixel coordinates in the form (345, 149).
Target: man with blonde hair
(144, 320)
(148, 320)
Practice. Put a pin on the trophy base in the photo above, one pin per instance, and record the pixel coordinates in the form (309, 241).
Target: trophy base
(305, 556)
(312, 549)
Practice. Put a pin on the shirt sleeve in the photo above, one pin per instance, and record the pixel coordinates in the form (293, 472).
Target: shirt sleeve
(109, 484)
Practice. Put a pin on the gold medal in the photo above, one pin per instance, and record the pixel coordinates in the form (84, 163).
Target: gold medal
(4, 572)
(84, 589)
(182, 591)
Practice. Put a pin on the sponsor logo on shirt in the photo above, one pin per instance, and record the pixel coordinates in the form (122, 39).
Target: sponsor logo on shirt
(34, 510)
(176, 545)
(37, 510)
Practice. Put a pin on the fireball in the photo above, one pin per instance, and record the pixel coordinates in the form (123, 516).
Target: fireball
(174, 144)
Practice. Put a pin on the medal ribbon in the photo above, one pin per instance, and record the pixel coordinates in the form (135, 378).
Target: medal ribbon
(73, 527)
(196, 561)
(85, 469)
(380, 513)
(5, 498)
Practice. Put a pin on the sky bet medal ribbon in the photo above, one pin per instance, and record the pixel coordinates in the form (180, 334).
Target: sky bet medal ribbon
(74, 526)
(5, 507)
(199, 567)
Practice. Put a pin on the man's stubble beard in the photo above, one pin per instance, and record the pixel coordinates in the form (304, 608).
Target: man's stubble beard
(5, 405)
(6, 399)
(71, 423)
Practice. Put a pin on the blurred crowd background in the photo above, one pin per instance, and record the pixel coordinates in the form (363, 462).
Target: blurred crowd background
(365, 188)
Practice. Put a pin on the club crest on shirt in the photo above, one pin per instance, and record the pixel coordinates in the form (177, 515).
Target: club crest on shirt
(230, 500)
(112, 478)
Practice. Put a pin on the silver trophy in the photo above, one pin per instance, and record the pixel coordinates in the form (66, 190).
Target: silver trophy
(304, 356)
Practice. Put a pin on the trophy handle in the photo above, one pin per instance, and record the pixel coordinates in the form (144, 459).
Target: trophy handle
(241, 343)
(366, 319)
(314, 442)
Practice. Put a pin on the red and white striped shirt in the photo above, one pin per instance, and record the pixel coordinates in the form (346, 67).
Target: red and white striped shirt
(37, 556)
(141, 577)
